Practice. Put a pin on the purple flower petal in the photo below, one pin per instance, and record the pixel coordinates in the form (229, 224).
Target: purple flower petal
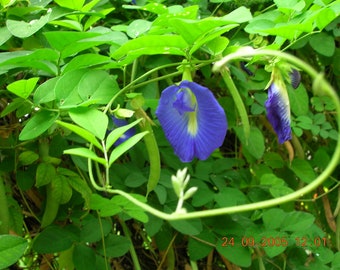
(117, 122)
(193, 121)
(278, 112)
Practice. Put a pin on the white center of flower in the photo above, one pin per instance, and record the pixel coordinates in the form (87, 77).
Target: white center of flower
(186, 105)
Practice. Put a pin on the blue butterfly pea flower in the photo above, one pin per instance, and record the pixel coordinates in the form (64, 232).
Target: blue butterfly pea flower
(278, 110)
(192, 119)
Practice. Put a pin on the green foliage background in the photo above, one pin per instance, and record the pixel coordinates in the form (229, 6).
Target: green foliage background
(66, 66)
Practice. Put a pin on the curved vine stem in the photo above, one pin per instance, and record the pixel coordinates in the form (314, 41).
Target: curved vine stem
(320, 86)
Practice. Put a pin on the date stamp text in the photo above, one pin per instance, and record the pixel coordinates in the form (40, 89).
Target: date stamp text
(249, 241)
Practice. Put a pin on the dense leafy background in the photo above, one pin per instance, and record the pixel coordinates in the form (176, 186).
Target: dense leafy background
(66, 65)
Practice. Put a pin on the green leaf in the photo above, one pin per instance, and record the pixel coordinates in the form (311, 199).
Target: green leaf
(273, 160)
(297, 221)
(4, 35)
(325, 255)
(11, 249)
(200, 249)
(70, 43)
(43, 93)
(336, 261)
(115, 246)
(325, 17)
(118, 132)
(135, 179)
(60, 40)
(187, 227)
(269, 179)
(61, 238)
(151, 7)
(74, 4)
(84, 257)
(104, 206)
(240, 256)
(92, 230)
(74, 25)
(230, 197)
(23, 29)
(137, 28)
(93, 19)
(28, 157)
(275, 242)
(291, 5)
(62, 192)
(216, 46)
(85, 87)
(161, 193)
(86, 153)
(303, 170)
(85, 61)
(38, 124)
(195, 30)
(153, 226)
(82, 187)
(130, 208)
(254, 146)
(323, 43)
(150, 45)
(304, 122)
(125, 146)
(41, 59)
(66, 259)
(299, 100)
(280, 190)
(91, 119)
(97, 87)
(259, 26)
(44, 174)
(23, 88)
(274, 23)
(239, 15)
(273, 218)
(82, 133)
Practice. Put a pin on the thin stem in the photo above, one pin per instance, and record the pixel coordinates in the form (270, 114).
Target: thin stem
(298, 148)
(93, 182)
(133, 253)
(237, 99)
(107, 166)
(134, 70)
(180, 202)
(259, 257)
(167, 252)
(28, 206)
(103, 240)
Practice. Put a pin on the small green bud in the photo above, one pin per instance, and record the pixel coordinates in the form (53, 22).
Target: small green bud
(189, 193)
(177, 185)
(123, 113)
